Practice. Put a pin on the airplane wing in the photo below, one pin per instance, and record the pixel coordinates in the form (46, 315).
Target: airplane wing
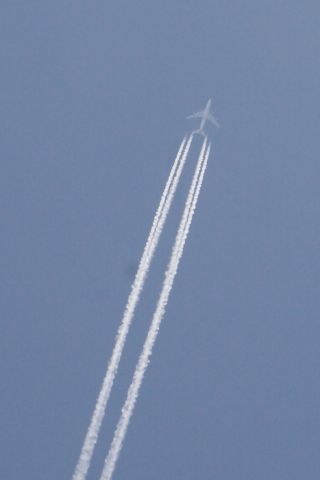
(213, 120)
(196, 115)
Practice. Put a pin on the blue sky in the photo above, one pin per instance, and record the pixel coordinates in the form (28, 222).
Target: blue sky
(93, 100)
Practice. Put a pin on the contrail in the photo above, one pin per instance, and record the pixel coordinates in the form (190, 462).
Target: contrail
(171, 271)
(91, 437)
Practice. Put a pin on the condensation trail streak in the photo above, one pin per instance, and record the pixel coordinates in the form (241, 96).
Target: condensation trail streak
(171, 271)
(90, 441)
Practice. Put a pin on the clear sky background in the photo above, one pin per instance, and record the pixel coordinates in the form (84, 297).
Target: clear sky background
(93, 100)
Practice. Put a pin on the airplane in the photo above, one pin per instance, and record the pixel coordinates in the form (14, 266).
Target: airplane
(204, 115)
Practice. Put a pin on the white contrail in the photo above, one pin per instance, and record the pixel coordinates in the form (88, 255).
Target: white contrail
(143, 361)
(149, 250)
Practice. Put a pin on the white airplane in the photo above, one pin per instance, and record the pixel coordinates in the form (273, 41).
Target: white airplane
(204, 115)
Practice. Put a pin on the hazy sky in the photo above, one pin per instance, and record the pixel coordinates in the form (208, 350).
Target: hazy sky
(93, 100)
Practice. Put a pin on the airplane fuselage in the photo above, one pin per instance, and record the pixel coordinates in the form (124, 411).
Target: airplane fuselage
(205, 115)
